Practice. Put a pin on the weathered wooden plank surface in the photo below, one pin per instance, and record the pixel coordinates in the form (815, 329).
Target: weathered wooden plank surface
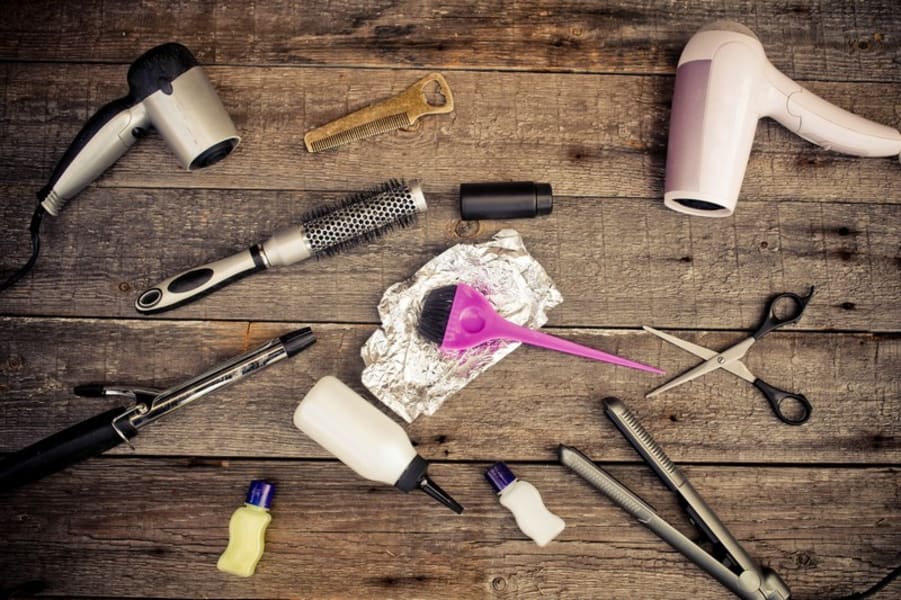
(827, 531)
(826, 39)
(576, 93)
(849, 378)
(600, 135)
(618, 262)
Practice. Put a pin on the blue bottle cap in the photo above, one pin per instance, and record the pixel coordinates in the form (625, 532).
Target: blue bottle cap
(260, 493)
(499, 476)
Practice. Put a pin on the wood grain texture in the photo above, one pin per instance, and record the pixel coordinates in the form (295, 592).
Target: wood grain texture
(618, 262)
(816, 39)
(573, 92)
(849, 379)
(596, 136)
(826, 531)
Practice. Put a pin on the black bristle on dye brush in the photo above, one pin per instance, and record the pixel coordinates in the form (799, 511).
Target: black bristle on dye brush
(436, 311)
(324, 231)
(457, 317)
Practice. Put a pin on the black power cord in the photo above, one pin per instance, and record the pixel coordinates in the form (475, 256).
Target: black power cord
(877, 587)
(35, 230)
(25, 590)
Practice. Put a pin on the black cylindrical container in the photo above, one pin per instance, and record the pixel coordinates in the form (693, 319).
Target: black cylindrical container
(505, 200)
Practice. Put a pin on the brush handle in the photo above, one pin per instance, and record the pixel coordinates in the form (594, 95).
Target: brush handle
(510, 331)
(287, 246)
(197, 282)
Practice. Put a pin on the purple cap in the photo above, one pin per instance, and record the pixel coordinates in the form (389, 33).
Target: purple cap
(499, 476)
(260, 493)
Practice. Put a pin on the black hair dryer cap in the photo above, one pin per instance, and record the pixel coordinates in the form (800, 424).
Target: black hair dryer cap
(505, 200)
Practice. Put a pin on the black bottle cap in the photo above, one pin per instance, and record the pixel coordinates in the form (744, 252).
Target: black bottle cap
(298, 340)
(415, 477)
(505, 200)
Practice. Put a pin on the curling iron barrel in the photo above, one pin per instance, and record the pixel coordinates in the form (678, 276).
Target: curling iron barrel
(167, 91)
(724, 85)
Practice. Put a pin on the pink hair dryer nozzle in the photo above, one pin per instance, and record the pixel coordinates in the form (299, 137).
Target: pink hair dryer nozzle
(724, 85)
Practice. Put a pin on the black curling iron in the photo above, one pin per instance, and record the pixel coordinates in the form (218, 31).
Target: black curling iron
(118, 425)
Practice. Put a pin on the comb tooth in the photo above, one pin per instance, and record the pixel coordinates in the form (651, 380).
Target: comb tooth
(382, 125)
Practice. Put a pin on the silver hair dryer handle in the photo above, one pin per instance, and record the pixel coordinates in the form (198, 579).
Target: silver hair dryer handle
(103, 139)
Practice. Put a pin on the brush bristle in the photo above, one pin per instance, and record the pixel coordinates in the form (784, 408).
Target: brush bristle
(360, 218)
(436, 310)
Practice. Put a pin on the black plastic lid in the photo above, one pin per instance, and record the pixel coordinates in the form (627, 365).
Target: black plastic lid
(298, 340)
(505, 200)
(500, 476)
(415, 477)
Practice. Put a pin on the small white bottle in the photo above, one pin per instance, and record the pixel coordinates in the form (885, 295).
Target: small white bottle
(524, 501)
(365, 439)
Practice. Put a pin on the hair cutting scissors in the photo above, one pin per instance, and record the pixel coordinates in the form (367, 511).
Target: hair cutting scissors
(784, 309)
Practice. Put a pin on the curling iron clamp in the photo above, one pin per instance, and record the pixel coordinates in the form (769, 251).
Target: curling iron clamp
(737, 570)
(118, 425)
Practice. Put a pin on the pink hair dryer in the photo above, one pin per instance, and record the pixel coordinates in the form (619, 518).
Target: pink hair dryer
(724, 85)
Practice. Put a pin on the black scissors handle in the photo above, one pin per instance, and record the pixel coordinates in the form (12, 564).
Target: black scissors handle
(784, 309)
(800, 407)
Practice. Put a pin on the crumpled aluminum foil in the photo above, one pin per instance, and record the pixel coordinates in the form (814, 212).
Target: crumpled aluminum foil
(410, 374)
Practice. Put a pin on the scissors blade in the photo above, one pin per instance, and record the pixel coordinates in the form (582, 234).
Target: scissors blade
(728, 359)
(701, 351)
(739, 369)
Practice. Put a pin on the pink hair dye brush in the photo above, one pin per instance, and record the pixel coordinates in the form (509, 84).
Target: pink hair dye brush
(457, 317)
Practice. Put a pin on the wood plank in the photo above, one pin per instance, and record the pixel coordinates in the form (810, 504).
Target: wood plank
(156, 528)
(572, 92)
(514, 410)
(618, 262)
(578, 132)
(809, 39)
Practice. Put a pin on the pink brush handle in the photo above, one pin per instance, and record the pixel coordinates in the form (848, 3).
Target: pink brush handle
(509, 331)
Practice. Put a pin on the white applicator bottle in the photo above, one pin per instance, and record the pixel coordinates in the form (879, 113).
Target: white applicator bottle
(365, 439)
(524, 501)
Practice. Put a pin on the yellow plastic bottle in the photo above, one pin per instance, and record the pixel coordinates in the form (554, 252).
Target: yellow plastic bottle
(247, 531)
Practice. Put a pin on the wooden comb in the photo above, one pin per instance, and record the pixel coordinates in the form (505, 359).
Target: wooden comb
(386, 115)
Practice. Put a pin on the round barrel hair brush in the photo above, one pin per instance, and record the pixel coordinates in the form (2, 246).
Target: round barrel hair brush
(458, 317)
(323, 231)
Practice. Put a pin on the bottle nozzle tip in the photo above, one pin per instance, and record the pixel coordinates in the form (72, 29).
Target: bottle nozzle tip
(432, 489)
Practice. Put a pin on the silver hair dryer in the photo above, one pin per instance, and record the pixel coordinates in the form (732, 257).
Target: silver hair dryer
(724, 85)
(167, 91)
